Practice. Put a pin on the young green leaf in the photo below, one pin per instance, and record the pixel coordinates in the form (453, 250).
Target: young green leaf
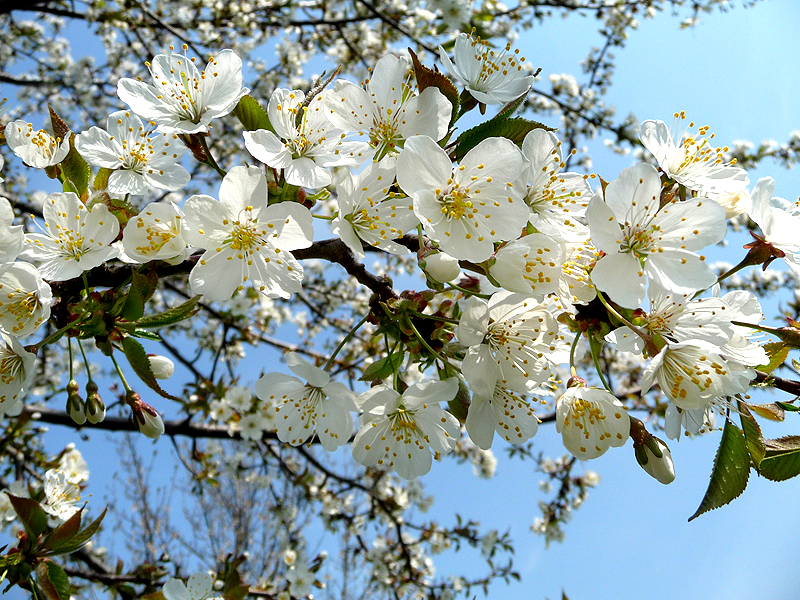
(730, 473)
(514, 129)
(52, 580)
(64, 533)
(139, 361)
(173, 315)
(251, 115)
(782, 458)
(33, 517)
(777, 352)
(752, 434)
(383, 368)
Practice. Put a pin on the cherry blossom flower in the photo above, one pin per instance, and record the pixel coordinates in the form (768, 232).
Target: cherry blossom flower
(156, 234)
(37, 149)
(147, 420)
(246, 240)
(590, 421)
(25, 299)
(12, 237)
(465, 210)
(575, 285)
(690, 159)
(400, 432)
(506, 413)
(491, 76)
(77, 239)
(511, 342)
(16, 373)
(183, 99)
(779, 225)
(557, 200)
(199, 587)
(302, 409)
(440, 266)
(62, 495)
(370, 212)
(644, 243)
(530, 265)
(693, 374)
(303, 147)
(386, 108)
(139, 156)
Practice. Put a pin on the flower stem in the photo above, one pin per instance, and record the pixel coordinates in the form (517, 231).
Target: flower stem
(429, 349)
(85, 362)
(649, 344)
(346, 339)
(55, 335)
(128, 388)
(593, 350)
(209, 158)
(434, 317)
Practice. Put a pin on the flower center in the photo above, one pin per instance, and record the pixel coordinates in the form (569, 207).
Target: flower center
(456, 203)
(11, 365)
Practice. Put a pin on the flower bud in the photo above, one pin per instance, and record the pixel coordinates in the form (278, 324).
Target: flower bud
(75, 407)
(147, 419)
(441, 267)
(162, 367)
(95, 408)
(652, 454)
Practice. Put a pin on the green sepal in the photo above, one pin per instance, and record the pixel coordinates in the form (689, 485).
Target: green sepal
(33, 517)
(140, 363)
(383, 368)
(777, 352)
(251, 115)
(168, 317)
(52, 580)
(514, 129)
(752, 435)
(782, 459)
(730, 473)
(427, 77)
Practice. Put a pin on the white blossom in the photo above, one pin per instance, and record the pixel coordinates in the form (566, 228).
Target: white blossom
(37, 149)
(591, 420)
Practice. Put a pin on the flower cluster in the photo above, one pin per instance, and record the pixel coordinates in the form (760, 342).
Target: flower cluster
(558, 268)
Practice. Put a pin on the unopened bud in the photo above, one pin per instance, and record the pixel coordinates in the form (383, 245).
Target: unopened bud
(75, 407)
(440, 267)
(95, 408)
(162, 367)
(147, 419)
(652, 454)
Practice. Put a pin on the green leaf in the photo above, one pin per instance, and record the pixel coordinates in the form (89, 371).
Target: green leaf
(730, 473)
(53, 580)
(76, 171)
(101, 179)
(752, 435)
(141, 290)
(144, 334)
(81, 537)
(782, 460)
(173, 315)
(64, 533)
(514, 129)
(777, 352)
(137, 357)
(33, 518)
(383, 368)
(427, 77)
(233, 588)
(251, 115)
(787, 407)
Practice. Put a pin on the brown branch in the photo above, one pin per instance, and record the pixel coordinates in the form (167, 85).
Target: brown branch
(786, 385)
